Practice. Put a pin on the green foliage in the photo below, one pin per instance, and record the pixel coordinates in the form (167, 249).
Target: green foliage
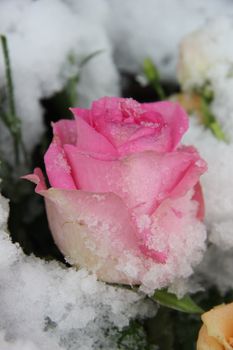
(209, 120)
(185, 304)
(152, 75)
(134, 337)
(71, 86)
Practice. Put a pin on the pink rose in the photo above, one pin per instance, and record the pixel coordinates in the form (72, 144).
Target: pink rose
(125, 200)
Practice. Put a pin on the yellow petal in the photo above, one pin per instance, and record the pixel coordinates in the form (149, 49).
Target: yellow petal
(219, 323)
(205, 342)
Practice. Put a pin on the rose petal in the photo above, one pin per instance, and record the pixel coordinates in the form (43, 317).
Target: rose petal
(114, 109)
(199, 198)
(205, 342)
(37, 178)
(219, 321)
(57, 167)
(191, 175)
(143, 180)
(66, 131)
(145, 143)
(92, 174)
(85, 114)
(89, 140)
(92, 230)
(173, 115)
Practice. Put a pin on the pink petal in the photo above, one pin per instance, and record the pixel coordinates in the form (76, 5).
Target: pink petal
(90, 141)
(107, 109)
(142, 180)
(145, 143)
(173, 115)
(91, 174)
(66, 131)
(37, 178)
(191, 175)
(115, 118)
(92, 230)
(157, 256)
(57, 167)
(82, 113)
(199, 198)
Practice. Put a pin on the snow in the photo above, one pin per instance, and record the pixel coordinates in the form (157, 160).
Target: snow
(177, 239)
(217, 185)
(206, 56)
(155, 28)
(41, 38)
(47, 43)
(45, 305)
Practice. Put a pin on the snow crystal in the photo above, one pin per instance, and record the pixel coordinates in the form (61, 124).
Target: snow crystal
(47, 42)
(45, 305)
(178, 240)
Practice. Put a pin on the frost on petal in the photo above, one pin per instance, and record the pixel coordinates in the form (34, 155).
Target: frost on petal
(113, 109)
(66, 131)
(174, 227)
(57, 167)
(142, 180)
(92, 230)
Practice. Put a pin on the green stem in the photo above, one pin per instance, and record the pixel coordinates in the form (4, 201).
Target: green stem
(10, 88)
(10, 118)
(152, 75)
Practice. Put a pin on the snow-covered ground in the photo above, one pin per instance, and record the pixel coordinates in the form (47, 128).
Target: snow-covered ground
(207, 57)
(44, 305)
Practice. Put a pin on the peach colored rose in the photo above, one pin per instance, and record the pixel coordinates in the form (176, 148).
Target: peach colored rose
(216, 332)
(125, 200)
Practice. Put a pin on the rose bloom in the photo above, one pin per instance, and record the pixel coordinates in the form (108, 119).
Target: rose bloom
(216, 332)
(125, 200)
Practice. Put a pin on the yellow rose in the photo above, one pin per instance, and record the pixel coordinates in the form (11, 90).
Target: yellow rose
(216, 332)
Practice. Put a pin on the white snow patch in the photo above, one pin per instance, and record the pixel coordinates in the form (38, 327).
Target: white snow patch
(44, 305)
(42, 36)
(155, 29)
(207, 56)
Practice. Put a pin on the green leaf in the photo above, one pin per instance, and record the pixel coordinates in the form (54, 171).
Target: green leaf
(185, 304)
(217, 131)
(10, 87)
(209, 120)
(152, 74)
(133, 337)
(71, 86)
(90, 56)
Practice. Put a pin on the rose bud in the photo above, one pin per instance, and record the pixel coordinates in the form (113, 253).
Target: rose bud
(125, 200)
(216, 332)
